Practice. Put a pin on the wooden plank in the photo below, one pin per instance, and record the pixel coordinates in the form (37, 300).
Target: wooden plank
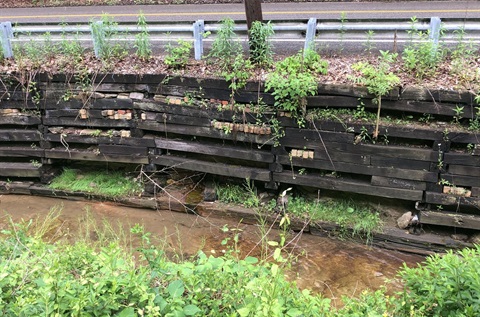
(91, 156)
(475, 191)
(450, 200)
(360, 169)
(17, 135)
(392, 162)
(338, 156)
(20, 169)
(348, 186)
(392, 151)
(464, 170)
(122, 150)
(461, 159)
(97, 114)
(250, 154)
(114, 103)
(460, 180)
(179, 119)
(206, 132)
(463, 137)
(450, 219)
(88, 139)
(212, 168)
(398, 183)
(14, 151)
(20, 120)
(437, 95)
(106, 123)
(305, 137)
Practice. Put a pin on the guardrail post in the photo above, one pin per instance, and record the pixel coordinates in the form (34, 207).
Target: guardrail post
(6, 34)
(98, 36)
(198, 30)
(310, 35)
(435, 24)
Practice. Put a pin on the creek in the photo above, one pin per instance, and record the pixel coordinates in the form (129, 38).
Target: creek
(328, 266)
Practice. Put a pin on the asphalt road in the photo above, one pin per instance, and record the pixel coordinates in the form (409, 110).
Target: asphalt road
(271, 11)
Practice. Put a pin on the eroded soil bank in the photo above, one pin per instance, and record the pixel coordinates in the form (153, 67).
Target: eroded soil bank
(327, 266)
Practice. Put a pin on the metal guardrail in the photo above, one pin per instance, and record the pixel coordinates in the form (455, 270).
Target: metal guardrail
(305, 32)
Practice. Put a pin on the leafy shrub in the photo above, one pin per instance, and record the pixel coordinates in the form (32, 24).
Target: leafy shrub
(142, 39)
(445, 285)
(177, 56)
(422, 56)
(293, 80)
(105, 33)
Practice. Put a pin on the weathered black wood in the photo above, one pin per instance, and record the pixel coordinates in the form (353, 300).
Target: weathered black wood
(390, 162)
(88, 139)
(104, 123)
(179, 119)
(253, 11)
(360, 169)
(348, 186)
(331, 154)
(216, 150)
(212, 168)
(18, 104)
(114, 103)
(20, 120)
(391, 151)
(463, 137)
(206, 132)
(450, 200)
(305, 137)
(398, 183)
(450, 219)
(461, 159)
(464, 170)
(92, 156)
(11, 151)
(65, 105)
(136, 151)
(92, 114)
(460, 180)
(419, 93)
(475, 191)
(20, 169)
(16, 135)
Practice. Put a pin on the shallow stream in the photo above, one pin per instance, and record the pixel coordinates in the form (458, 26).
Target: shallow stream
(324, 265)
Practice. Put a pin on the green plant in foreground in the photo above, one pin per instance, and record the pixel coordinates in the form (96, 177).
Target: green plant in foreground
(245, 194)
(378, 80)
(177, 56)
(104, 33)
(108, 184)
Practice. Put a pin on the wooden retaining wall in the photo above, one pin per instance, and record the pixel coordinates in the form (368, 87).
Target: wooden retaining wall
(188, 123)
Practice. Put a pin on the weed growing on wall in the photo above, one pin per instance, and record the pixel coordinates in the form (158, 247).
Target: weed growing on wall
(142, 39)
(178, 55)
(261, 50)
(106, 35)
(225, 46)
(378, 79)
(422, 55)
(293, 80)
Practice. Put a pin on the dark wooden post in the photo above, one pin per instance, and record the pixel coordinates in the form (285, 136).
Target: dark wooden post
(253, 11)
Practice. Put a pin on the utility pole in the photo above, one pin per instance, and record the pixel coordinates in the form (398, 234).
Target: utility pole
(253, 11)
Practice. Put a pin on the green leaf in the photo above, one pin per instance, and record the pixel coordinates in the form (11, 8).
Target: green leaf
(127, 312)
(176, 289)
(190, 310)
(251, 260)
(244, 311)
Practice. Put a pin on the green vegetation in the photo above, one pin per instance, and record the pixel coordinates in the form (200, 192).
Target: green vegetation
(378, 79)
(178, 55)
(142, 39)
(261, 51)
(293, 80)
(245, 194)
(225, 47)
(107, 184)
(40, 278)
(105, 33)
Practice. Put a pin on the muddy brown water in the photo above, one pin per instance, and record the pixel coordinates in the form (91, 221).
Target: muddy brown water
(324, 265)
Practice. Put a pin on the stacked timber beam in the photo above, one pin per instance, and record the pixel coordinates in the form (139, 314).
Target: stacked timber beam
(158, 121)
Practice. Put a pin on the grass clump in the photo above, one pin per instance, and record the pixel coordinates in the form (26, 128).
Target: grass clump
(106, 184)
(346, 214)
(245, 194)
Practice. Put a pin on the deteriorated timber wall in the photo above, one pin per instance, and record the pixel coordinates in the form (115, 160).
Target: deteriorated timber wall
(156, 121)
